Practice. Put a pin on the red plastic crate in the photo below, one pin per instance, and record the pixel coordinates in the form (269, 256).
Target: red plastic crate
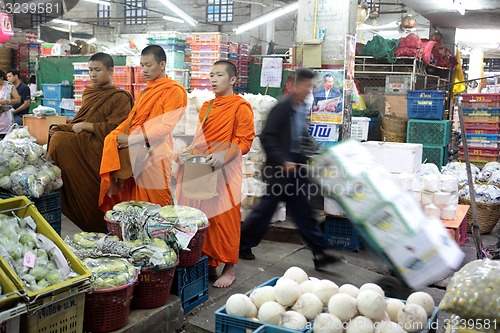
(209, 38)
(84, 83)
(194, 86)
(480, 158)
(209, 54)
(201, 68)
(203, 61)
(481, 98)
(209, 48)
(200, 75)
(123, 75)
(480, 130)
(481, 124)
(127, 87)
(139, 77)
(200, 82)
(481, 150)
(78, 102)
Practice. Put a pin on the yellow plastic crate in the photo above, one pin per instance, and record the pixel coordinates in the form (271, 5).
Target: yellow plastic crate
(23, 207)
(10, 293)
(59, 313)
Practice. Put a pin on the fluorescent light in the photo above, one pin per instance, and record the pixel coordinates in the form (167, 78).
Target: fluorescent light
(267, 17)
(173, 19)
(92, 40)
(64, 22)
(190, 20)
(459, 7)
(100, 2)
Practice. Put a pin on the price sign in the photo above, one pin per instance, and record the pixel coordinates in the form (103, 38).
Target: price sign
(29, 260)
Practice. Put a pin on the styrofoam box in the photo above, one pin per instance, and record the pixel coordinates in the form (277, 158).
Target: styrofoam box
(429, 256)
(396, 157)
(331, 207)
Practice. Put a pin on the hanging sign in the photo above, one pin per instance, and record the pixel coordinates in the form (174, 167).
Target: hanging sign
(6, 29)
(272, 69)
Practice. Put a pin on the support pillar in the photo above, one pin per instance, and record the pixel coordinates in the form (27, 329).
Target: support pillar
(475, 68)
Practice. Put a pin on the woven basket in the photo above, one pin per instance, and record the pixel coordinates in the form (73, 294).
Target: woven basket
(394, 124)
(107, 310)
(488, 215)
(191, 258)
(114, 227)
(153, 288)
(393, 136)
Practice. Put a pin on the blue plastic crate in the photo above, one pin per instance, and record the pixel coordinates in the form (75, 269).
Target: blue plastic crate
(49, 205)
(425, 104)
(53, 103)
(70, 114)
(191, 284)
(341, 234)
(483, 137)
(57, 91)
(226, 323)
(276, 329)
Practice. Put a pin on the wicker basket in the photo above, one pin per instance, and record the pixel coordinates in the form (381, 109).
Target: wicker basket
(153, 288)
(191, 258)
(393, 136)
(107, 310)
(394, 124)
(488, 215)
(114, 227)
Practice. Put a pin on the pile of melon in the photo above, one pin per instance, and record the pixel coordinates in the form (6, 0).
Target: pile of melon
(298, 301)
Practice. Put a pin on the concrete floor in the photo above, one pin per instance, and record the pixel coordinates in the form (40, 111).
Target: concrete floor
(273, 258)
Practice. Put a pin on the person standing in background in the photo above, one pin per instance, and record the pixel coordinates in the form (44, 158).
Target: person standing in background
(147, 135)
(76, 147)
(8, 96)
(226, 134)
(23, 107)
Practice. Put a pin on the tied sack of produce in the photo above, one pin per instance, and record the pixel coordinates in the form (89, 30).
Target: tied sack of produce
(473, 291)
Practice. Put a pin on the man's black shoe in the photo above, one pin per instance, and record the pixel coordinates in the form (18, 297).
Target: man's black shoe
(322, 259)
(247, 255)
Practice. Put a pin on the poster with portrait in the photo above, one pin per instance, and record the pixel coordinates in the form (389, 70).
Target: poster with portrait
(328, 94)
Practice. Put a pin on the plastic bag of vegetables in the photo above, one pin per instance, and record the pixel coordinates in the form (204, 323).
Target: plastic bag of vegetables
(185, 222)
(133, 217)
(37, 261)
(110, 272)
(152, 253)
(473, 291)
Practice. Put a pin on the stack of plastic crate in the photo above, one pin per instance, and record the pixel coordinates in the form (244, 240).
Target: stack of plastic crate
(174, 46)
(206, 48)
(123, 78)
(482, 124)
(20, 59)
(425, 113)
(81, 80)
(54, 93)
(244, 57)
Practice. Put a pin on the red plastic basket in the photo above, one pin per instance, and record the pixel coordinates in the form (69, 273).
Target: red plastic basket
(107, 310)
(190, 258)
(114, 227)
(153, 288)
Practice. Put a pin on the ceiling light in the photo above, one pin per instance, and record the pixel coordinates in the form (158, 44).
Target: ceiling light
(267, 17)
(173, 19)
(64, 22)
(100, 2)
(190, 20)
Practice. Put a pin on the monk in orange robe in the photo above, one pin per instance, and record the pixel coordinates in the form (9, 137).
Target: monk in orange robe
(149, 128)
(76, 147)
(226, 135)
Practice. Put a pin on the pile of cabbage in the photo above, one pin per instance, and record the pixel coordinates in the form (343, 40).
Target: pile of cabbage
(298, 301)
(109, 272)
(37, 261)
(23, 169)
(144, 220)
(148, 253)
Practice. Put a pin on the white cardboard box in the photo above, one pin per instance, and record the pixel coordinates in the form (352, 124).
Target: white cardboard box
(429, 256)
(396, 157)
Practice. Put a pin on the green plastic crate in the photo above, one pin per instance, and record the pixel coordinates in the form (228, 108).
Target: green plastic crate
(429, 132)
(435, 154)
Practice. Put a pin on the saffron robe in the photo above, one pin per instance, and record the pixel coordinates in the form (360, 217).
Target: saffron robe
(79, 155)
(156, 112)
(230, 128)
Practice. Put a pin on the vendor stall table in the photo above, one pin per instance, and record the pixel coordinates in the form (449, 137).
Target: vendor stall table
(39, 127)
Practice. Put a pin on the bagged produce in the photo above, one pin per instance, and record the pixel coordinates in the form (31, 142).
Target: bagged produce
(152, 253)
(473, 291)
(184, 222)
(484, 193)
(110, 272)
(490, 173)
(133, 217)
(458, 170)
(37, 261)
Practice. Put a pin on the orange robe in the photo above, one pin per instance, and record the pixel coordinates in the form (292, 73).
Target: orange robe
(229, 127)
(157, 110)
(79, 155)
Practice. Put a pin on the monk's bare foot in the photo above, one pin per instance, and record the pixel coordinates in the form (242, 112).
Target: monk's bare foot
(227, 278)
(212, 272)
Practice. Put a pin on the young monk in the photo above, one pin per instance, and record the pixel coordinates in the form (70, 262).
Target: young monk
(148, 128)
(76, 147)
(226, 134)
